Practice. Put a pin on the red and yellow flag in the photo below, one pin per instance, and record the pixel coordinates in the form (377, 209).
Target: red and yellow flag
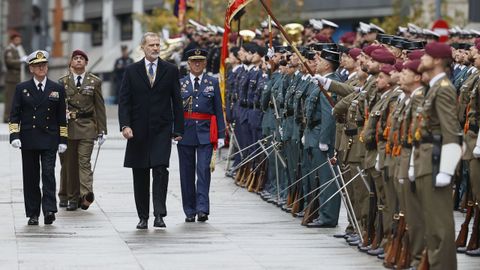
(234, 6)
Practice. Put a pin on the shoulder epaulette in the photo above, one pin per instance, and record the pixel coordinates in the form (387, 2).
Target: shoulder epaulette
(445, 83)
(93, 76)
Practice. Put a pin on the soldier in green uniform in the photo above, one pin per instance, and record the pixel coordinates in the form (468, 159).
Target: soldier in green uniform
(86, 123)
(13, 64)
(436, 155)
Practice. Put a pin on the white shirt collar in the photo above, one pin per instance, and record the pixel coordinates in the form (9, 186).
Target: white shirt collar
(147, 64)
(75, 75)
(436, 78)
(192, 78)
(44, 82)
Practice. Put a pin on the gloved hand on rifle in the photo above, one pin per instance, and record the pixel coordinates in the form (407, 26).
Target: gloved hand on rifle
(323, 147)
(319, 79)
(62, 148)
(443, 179)
(476, 150)
(377, 164)
(16, 143)
(270, 52)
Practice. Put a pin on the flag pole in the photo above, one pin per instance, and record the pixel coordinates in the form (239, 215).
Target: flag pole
(294, 48)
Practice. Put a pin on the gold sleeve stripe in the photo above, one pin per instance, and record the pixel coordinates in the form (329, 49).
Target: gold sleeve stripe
(63, 132)
(13, 127)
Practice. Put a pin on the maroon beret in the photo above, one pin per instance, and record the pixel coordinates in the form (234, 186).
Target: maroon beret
(412, 65)
(370, 48)
(354, 53)
(383, 56)
(477, 41)
(14, 34)
(478, 46)
(399, 65)
(81, 53)
(438, 50)
(348, 37)
(416, 54)
(322, 38)
(387, 69)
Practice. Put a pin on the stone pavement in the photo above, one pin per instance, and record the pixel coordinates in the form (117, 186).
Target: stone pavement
(243, 232)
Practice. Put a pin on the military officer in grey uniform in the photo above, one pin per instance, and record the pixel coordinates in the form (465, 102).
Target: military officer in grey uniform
(86, 123)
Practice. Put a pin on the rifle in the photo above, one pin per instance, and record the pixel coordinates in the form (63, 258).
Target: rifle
(310, 212)
(424, 265)
(473, 242)
(393, 254)
(404, 259)
(262, 177)
(379, 229)
(461, 240)
(297, 205)
(372, 212)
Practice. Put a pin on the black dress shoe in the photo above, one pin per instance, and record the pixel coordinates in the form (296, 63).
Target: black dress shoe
(142, 224)
(72, 206)
(202, 217)
(190, 219)
(87, 200)
(33, 220)
(319, 224)
(63, 203)
(158, 222)
(49, 218)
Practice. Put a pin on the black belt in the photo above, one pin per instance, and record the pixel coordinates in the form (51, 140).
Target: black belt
(351, 132)
(76, 115)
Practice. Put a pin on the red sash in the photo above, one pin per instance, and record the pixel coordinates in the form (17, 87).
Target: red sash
(213, 124)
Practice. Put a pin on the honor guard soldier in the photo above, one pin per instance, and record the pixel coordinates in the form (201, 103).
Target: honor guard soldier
(437, 152)
(204, 132)
(14, 66)
(87, 123)
(38, 126)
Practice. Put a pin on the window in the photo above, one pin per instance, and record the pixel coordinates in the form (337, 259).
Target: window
(126, 26)
(97, 31)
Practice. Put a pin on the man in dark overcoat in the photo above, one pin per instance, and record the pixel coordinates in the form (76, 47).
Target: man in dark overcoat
(150, 114)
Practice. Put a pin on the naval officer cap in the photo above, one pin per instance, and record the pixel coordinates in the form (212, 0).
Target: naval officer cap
(197, 54)
(330, 56)
(38, 56)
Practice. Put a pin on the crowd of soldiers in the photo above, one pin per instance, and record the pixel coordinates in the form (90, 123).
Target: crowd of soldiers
(375, 121)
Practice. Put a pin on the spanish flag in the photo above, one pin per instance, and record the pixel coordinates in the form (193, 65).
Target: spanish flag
(234, 6)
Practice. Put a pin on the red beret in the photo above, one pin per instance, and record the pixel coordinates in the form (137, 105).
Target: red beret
(412, 65)
(81, 53)
(322, 38)
(14, 34)
(387, 69)
(354, 53)
(370, 48)
(348, 37)
(383, 56)
(416, 54)
(399, 65)
(478, 46)
(438, 50)
(477, 41)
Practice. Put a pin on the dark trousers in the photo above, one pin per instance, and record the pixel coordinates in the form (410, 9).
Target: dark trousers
(195, 198)
(141, 189)
(33, 196)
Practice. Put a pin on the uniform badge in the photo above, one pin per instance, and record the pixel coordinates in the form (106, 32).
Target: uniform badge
(53, 95)
(208, 89)
(25, 91)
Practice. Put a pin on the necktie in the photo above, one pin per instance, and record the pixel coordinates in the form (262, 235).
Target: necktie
(151, 73)
(40, 87)
(78, 81)
(196, 85)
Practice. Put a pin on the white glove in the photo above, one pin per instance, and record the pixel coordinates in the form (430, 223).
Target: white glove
(270, 52)
(101, 138)
(476, 151)
(377, 164)
(323, 147)
(280, 130)
(313, 80)
(303, 139)
(411, 174)
(401, 181)
(322, 80)
(62, 148)
(174, 142)
(443, 179)
(220, 143)
(16, 143)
